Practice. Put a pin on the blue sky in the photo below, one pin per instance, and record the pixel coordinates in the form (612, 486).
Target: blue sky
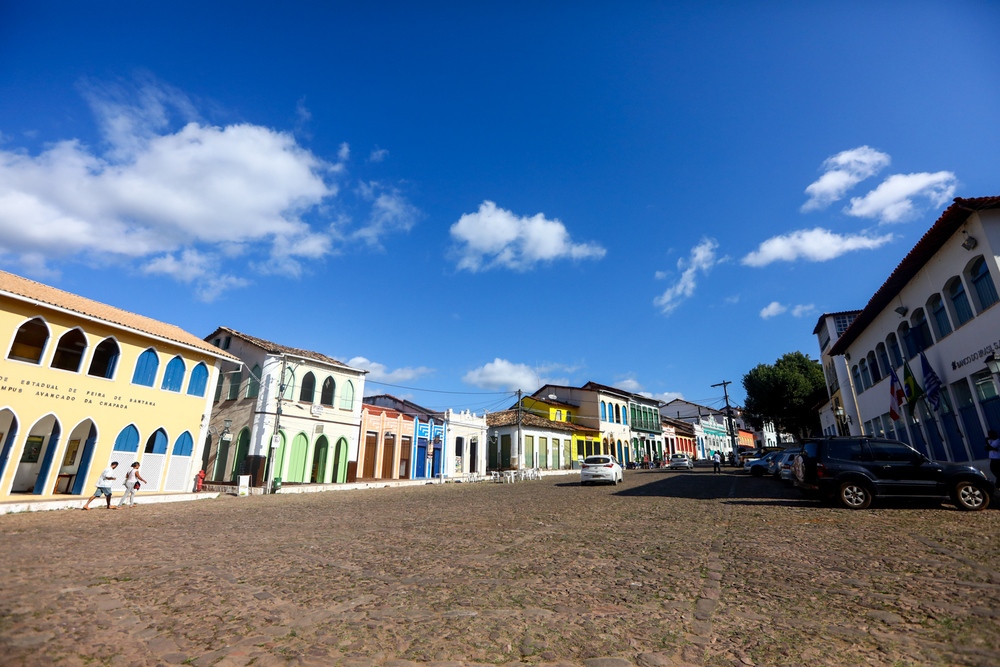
(472, 197)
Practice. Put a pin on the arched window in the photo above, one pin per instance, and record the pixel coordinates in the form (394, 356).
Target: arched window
(894, 352)
(961, 311)
(29, 342)
(127, 440)
(184, 445)
(145, 368)
(858, 387)
(982, 283)
(625, 416)
(253, 384)
(326, 393)
(558, 415)
(939, 316)
(235, 380)
(69, 351)
(199, 380)
(105, 359)
(618, 414)
(883, 360)
(919, 331)
(157, 443)
(873, 368)
(910, 348)
(289, 383)
(604, 412)
(347, 396)
(308, 390)
(173, 375)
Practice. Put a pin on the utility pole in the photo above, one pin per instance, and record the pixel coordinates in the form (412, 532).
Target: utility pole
(729, 415)
(272, 449)
(520, 452)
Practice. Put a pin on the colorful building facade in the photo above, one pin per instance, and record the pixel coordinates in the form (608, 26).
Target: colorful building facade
(83, 384)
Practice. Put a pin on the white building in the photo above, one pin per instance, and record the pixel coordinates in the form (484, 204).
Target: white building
(316, 419)
(466, 436)
(839, 416)
(942, 300)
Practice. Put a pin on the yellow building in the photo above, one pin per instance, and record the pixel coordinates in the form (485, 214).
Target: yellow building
(83, 384)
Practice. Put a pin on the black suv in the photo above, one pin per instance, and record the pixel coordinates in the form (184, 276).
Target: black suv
(857, 470)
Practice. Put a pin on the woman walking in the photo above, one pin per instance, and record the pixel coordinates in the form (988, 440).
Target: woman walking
(132, 479)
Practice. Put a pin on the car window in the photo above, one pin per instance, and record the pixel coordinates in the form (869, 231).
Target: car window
(892, 451)
(809, 449)
(597, 459)
(846, 450)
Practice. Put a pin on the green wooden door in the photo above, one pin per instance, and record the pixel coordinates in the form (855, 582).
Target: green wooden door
(297, 461)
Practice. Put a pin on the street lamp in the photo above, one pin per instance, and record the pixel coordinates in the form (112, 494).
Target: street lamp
(992, 363)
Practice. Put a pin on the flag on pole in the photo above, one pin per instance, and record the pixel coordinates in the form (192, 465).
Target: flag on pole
(897, 397)
(932, 383)
(910, 386)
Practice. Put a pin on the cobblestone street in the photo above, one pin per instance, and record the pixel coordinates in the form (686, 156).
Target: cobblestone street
(666, 569)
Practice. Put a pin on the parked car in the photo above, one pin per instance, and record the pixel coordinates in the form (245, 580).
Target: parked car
(681, 461)
(785, 462)
(757, 467)
(855, 471)
(600, 468)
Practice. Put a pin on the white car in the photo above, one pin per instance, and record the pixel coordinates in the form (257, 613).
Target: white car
(600, 468)
(680, 461)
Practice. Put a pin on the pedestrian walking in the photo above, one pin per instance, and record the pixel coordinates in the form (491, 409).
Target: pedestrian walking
(716, 463)
(104, 485)
(993, 451)
(132, 484)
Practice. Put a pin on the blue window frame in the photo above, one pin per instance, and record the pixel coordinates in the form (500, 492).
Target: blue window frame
(173, 376)
(959, 301)
(127, 440)
(199, 380)
(184, 445)
(105, 359)
(625, 416)
(604, 412)
(983, 282)
(157, 443)
(145, 368)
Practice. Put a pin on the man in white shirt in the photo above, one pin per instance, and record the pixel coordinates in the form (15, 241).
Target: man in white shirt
(104, 485)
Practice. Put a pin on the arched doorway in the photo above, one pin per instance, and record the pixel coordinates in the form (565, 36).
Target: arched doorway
(125, 451)
(278, 465)
(340, 462)
(179, 474)
(297, 459)
(318, 475)
(37, 455)
(154, 458)
(8, 435)
(74, 462)
(242, 450)
(474, 455)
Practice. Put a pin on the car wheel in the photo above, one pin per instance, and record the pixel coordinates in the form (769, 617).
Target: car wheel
(757, 471)
(854, 495)
(971, 496)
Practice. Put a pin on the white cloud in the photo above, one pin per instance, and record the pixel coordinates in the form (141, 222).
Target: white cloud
(495, 237)
(380, 373)
(172, 193)
(843, 171)
(732, 300)
(772, 309)
(504, 375)
(629, 384)
(892, 200)
(665, 396)
(378, 155)
(702, 259)
(803, 310)
(660, 275)
(344, 153)
(390, 213)
(815, 245)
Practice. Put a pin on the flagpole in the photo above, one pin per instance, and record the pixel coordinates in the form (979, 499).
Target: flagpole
(923, 397)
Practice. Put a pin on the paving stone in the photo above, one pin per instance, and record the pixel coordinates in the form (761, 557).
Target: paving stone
(527, 574)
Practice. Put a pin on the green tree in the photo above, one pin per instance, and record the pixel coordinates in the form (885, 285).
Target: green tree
(787, 393)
